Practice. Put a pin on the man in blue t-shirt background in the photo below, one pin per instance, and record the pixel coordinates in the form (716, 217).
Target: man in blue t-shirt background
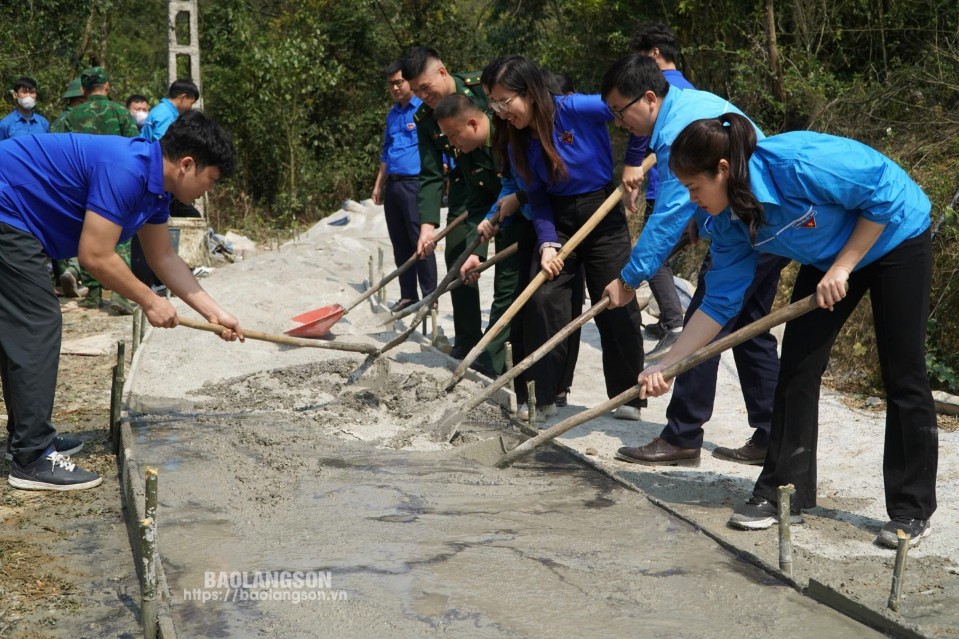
(397, 187)
(23, 120)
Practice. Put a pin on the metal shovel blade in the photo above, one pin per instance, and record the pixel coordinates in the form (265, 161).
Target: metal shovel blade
(317, 322)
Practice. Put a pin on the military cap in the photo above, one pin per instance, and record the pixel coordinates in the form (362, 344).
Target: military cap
(73, 90)
(93, 76)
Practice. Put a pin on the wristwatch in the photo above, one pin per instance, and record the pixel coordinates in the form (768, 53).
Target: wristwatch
(626, 284)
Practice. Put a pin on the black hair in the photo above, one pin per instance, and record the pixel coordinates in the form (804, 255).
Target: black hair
(702, 144)
(564, 83)
(393, 67)
(519, 74)
(136, 97)
(454, 106)
(183, 87)
(24, 82)
(416, 61)
(633, 75)
(500, 136)
(196, 135)
(656, 35)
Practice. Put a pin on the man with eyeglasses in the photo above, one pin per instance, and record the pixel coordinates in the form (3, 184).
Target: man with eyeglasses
(430, 81)
(397, 186)
(638, 94)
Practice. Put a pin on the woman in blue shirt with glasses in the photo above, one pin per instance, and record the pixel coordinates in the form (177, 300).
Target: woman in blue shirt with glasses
(857, 223)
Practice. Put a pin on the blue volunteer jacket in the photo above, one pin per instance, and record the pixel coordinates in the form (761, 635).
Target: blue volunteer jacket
(673, 209)
(813, 188)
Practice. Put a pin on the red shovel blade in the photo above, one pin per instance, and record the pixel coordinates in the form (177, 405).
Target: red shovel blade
(317, 322)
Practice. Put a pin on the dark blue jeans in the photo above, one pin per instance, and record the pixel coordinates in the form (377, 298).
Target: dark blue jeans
(403, 225)
(757, 362)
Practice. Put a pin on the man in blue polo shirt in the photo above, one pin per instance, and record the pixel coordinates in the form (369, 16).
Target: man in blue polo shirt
(23, 121)
(79, 195)
(398, 184)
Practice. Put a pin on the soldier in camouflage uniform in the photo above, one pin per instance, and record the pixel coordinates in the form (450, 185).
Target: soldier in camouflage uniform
(74, 97)
(100, 115)
(431, 82)
(69, 272)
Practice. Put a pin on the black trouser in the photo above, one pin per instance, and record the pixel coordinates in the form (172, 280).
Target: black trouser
(403, 225)
(599, 258)
(30, 327)
(528, 258)
(757, 364)
(663, 288)
(898, 285)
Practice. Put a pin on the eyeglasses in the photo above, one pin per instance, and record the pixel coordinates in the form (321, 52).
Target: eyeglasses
(501, 106)
(395, 83)
(619, 112)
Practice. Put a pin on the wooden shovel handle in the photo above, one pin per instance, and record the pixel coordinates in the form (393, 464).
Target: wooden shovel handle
(405, 266)
(709, 351)
(537, 281)
(278, 339)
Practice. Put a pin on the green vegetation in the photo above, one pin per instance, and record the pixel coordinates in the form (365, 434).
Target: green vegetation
(300, 86)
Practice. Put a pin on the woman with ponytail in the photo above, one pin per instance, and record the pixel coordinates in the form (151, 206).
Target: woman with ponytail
(559, 146)
(857, 223)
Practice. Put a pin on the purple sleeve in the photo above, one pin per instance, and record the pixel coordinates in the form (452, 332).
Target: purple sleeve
(636, 150)
(542, 215)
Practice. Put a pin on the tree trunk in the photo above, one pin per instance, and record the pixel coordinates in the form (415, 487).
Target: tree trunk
(774, 62)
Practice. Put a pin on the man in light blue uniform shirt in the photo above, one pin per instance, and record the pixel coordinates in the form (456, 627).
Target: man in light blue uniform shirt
(180, 99)
(79, 195)
(23, 121)
(637, 92)
(397, 187)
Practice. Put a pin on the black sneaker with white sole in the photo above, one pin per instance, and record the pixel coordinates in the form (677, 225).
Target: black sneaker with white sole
(759, 514)
(63, 444)
(51, 471)
(917, 529)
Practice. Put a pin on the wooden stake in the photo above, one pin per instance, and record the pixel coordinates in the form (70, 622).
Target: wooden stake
(531, 402)
(902, 549)
(137, 329)
(150, 495)
(509, 365)
(785, 532)
(408, 264)
(148, 585)
(434, 317)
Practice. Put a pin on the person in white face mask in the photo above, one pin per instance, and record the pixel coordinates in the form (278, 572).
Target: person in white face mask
(23, 121)
(139, 108)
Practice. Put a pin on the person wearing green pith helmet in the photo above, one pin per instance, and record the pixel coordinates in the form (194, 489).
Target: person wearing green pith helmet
(74, 97)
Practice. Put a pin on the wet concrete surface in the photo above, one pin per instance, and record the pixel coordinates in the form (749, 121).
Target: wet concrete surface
(429, 543)
(238, 498)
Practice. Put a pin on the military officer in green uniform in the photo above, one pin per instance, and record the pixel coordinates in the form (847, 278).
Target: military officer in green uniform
(101, 115)
(470, 131)
(431, 82)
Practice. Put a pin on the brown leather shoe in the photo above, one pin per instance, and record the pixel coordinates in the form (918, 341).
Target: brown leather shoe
(748, 453)
(659, 452)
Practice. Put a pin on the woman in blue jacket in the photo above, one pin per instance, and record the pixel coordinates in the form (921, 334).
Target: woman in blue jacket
(857, 223)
